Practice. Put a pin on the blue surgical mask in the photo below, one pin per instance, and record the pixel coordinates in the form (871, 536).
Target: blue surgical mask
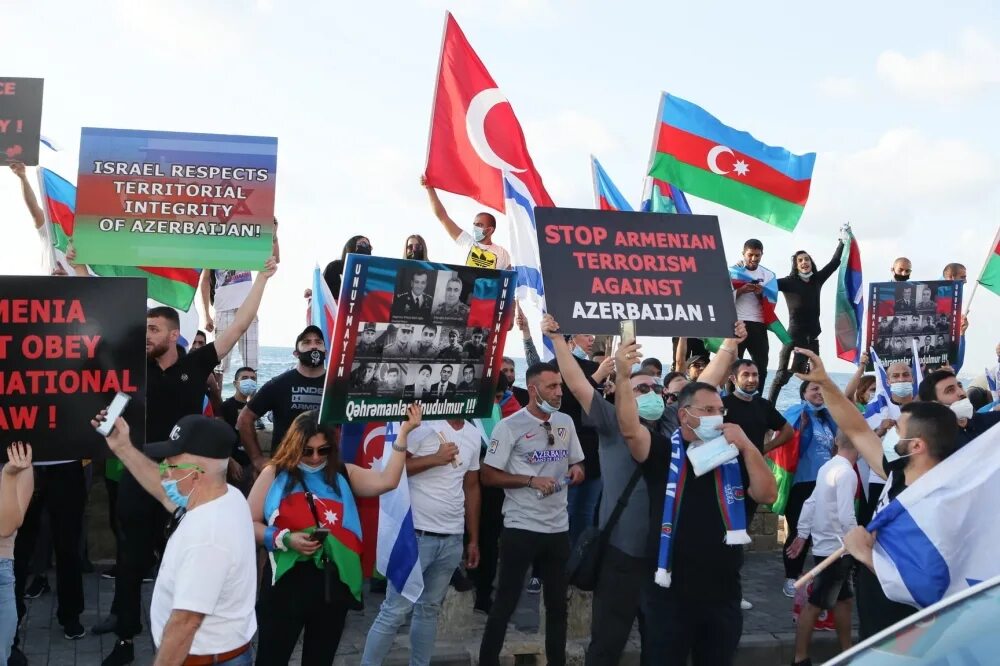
(650, 406)
(248, 386)
(743, 394)
(546, 407)
(579, 353)
(806, 276)
(310, 468)
(708, 427)
(173, 493)
(478, 234)
(901, 389)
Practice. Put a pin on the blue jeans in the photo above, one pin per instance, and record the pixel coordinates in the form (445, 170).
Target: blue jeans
(583, 500)
(439, 557)
(245, 659)
(8, 609)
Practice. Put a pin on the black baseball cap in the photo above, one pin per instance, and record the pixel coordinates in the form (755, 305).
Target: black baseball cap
(311, 328)
(198, 435)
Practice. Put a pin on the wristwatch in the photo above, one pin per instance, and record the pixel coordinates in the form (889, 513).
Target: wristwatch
(396, 447)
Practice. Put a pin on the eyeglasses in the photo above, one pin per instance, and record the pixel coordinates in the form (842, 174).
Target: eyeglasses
(164, 467)
(548, 432)
(319, 450)
(710, 411)
(671, 397)
(646, 388)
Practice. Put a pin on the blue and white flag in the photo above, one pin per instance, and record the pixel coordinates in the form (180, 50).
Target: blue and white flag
(520, 210)
(396, 555)
(880, 407)
(940, 535)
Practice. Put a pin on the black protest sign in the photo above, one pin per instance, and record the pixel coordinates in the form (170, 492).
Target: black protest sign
(20, 120)
(667, 272)
(67, 346)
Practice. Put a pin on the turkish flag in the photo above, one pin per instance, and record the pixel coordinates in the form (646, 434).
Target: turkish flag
(474, 133)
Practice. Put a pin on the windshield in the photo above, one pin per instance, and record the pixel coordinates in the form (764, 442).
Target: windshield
(964, 634)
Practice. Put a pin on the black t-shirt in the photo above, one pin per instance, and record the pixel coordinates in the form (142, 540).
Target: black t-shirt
(977, 425)
(286, 396)
(803, 299)
(704, 567)
(231, 408)
(756, 416)
(177, 391)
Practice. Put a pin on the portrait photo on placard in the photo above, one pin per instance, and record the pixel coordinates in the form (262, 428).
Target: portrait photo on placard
(451, 297)
(399, 341)
(419, 380)
(425, 342)
(475, 344)
(364, 379)
(452, 339)
(468, 381)
(414, 294)
(390, 379)
(443, 376)
(371, 340)
(906, 298)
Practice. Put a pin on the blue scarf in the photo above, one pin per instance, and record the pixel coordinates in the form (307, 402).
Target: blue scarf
(729, 491)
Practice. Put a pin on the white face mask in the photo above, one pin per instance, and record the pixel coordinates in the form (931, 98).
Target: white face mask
(708, 427)
(806, 276)
(901, 389)
(963, 408)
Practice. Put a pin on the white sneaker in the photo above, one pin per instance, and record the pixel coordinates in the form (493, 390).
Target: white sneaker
(789, 588)
(534, 586)
(745, 605)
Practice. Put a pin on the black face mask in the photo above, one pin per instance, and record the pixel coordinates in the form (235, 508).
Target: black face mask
(313, 358)
(416, 253)
(900, 278)
(363, 249)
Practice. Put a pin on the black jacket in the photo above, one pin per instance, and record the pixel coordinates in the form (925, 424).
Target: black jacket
(802, 298)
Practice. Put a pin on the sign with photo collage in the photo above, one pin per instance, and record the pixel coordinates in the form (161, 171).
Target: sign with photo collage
(416, 331)
(928, 312)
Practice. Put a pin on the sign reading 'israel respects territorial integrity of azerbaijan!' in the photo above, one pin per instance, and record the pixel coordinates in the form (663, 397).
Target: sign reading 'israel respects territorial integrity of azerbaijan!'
(172, 199)
(416, 331)
(667, 272)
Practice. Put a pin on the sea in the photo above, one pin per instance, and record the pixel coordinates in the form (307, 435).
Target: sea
(275, 360)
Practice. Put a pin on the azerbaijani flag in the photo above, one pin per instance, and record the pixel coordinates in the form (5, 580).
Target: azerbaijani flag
(768, 299)
(784, 460)
(850, 308)
(661, 197)
(323, 309)
(990, 275)
(362, 444)
(703, 157)
(607, 196)
(175, 287)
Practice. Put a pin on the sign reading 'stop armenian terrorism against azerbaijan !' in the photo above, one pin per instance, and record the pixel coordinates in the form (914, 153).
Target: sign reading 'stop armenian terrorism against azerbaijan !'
(667, 272)
(172, 199)
(67, 346)
(415, 331)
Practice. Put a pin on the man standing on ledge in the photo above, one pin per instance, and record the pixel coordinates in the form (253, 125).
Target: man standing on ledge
(482, 252)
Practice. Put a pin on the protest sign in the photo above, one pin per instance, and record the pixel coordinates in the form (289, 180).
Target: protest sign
(415, 331)
(928, 312)
(667, 272)
(67, 346)
(172, 199)
(20, 120)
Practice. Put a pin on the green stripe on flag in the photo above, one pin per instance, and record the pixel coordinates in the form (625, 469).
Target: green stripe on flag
(784, 480)
(726, 191)
(60, 240)
(991, 274)
(169, 292)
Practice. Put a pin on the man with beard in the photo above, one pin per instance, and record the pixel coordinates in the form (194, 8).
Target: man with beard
(507, 370)
(750, 308)
(287, 395)
(453, 308)
(175, 387)
(902, 268)
(942, 386)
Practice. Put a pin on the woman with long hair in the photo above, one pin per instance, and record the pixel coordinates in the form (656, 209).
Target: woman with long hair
(305, 516)
(334, 271)
(802, 287)
(415, 248)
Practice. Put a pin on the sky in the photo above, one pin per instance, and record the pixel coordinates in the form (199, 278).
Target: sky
(898, 99)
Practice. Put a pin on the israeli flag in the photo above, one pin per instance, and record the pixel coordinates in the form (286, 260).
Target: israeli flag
(880, 407)
(396, 555)
(939, 536)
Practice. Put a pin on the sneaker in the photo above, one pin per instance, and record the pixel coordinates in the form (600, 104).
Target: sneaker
(73, 630)
(124, 653)
(534, 586)
(39, 586)
(788, 589)
(110, 572)
(105, 626)
(745, 605)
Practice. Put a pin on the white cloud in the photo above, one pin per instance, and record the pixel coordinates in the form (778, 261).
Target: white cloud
(839, 87)
(944, 76)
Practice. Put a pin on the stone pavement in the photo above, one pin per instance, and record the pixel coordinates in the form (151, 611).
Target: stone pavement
(768, 632)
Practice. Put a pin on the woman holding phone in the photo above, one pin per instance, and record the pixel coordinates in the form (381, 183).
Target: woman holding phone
(17, 483)
(305, 516)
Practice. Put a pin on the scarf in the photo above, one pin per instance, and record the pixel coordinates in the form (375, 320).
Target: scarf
(728, 491)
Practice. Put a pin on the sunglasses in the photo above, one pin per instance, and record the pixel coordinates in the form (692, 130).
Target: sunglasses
(319, 450)
(413, 247)
(548, 432)
(671, 397)
(646, 388)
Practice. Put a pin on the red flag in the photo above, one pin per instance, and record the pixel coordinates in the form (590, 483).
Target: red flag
(474, 133)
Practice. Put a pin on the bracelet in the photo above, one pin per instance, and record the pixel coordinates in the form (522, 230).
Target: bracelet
(401, 449)
(727, 349)
(530, 479)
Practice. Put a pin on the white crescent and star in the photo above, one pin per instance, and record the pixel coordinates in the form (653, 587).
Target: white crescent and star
(376, 432)
(740, 167)
(475, 127)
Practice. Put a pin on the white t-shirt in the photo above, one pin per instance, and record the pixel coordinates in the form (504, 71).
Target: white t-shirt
(437, 495)
(231, 289)
(520, 446)
(210, 567)
(481, 255)
(48, 260)
(748, 305)
(828, 514)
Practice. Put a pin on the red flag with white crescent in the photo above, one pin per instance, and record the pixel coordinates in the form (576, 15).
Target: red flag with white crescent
(474, 133)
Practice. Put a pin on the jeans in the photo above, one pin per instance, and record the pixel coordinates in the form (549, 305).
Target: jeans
(439, 557)
(8, 609)
(582, 502)
(616, 604)
(706, 631)
(758, 346)
(518, 550)
(245, 659)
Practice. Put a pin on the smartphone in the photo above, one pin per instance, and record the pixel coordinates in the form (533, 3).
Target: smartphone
(799, 363)
(320, 534)
(115, 410)
(628, 332)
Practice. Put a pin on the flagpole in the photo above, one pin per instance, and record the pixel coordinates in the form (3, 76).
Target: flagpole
(437, 82)
(975, 285)
(806, 578)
